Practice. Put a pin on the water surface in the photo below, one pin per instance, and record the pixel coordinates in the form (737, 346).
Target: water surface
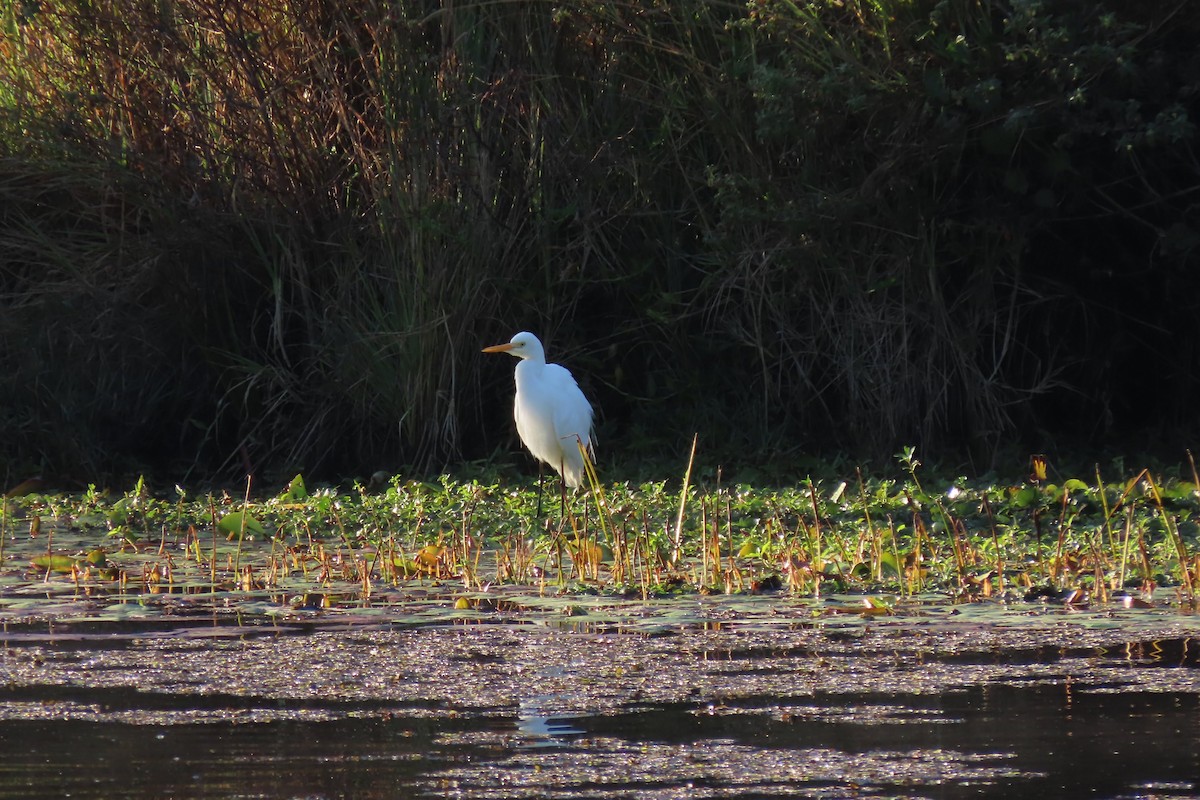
(894, 708)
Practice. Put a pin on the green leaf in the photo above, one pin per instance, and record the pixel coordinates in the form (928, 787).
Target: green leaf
(295, 490)
(119, 512)
(54, 563)
(231, 523)
(1024, 497)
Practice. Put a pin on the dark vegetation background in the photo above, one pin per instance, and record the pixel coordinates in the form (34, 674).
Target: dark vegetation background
(273, 236)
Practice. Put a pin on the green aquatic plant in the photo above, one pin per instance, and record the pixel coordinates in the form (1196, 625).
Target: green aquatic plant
(1076, 541)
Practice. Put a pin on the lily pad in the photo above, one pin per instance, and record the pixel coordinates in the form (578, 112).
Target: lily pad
(53, 562)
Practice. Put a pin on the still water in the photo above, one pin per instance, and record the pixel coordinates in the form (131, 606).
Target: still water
(516, 712)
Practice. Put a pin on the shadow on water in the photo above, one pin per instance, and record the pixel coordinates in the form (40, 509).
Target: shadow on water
(1038, 740)
(1031, 722)
(343, 758)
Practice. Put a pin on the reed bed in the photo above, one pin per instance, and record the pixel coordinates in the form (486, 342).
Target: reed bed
(269, 237)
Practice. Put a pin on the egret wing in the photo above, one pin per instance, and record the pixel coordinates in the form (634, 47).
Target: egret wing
(572, 412)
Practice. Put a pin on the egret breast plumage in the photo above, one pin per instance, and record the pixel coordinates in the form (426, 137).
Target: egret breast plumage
(553, 416)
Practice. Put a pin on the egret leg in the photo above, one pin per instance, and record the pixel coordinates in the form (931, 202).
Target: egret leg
(562, 499)
(541, 478)
(562, 489)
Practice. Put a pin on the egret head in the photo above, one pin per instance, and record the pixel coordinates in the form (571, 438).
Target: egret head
(523, 345)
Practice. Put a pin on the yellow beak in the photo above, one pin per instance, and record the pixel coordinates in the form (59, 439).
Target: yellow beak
(499, 348)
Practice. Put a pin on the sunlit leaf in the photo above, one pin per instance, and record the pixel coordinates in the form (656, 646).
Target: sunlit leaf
(295, 490)
(405, 566)
(888, 565)
(54, 563)
(232, 524)
(428, 555)
(878, 603)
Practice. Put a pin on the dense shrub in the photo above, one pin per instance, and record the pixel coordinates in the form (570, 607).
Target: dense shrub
(259, 235)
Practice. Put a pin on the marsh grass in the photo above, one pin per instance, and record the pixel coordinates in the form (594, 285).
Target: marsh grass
(268, 237)
(1127, 538)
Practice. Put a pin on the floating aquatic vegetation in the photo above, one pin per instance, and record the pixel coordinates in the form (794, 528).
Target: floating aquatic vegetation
(824, 547)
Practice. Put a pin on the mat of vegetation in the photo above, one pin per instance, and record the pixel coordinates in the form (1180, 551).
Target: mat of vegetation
(644, 555)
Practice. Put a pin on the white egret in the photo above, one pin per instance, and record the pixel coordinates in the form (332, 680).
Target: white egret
(553, 417)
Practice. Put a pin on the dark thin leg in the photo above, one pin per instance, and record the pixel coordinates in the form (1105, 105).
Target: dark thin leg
(540, 477)
(562, 488)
